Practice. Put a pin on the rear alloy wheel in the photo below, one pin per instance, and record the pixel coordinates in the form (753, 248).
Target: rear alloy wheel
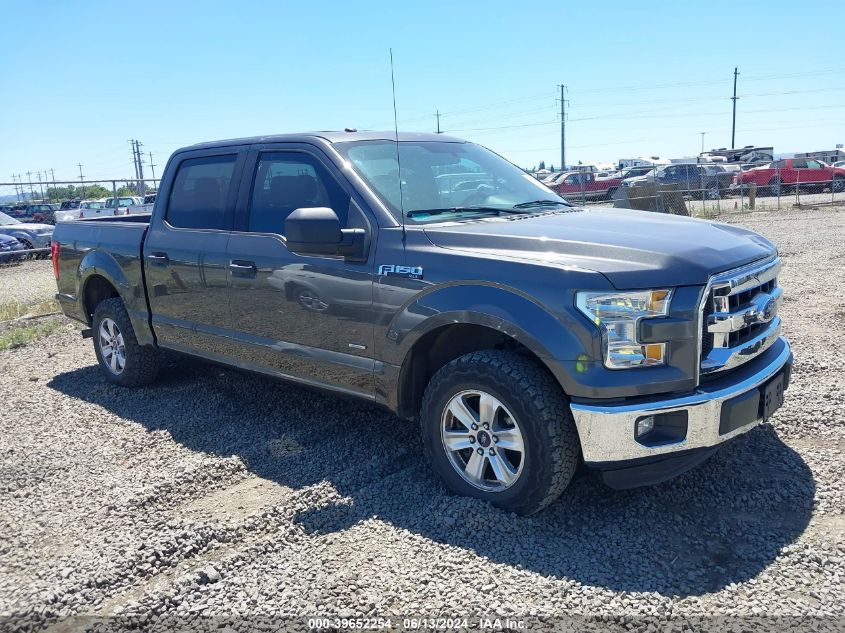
(122, 359)
(28, 246)
(496, 426)
(112, 346)
(838, 185)
(774, 187)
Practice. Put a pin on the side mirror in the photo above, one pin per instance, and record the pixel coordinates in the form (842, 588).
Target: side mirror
(316, 231)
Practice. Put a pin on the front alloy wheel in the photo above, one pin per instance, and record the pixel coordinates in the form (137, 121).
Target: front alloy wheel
(496, 426)
(112, 346)
(483, 440)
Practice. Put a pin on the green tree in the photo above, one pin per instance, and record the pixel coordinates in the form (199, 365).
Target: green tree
(542, 164)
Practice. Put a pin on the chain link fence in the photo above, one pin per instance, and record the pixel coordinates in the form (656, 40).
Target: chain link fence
(28, 211)
(703, 189)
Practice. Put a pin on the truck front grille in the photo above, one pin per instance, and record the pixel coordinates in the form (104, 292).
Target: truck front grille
(739, 319)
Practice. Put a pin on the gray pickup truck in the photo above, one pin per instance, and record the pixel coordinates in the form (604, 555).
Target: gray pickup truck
(431, 276)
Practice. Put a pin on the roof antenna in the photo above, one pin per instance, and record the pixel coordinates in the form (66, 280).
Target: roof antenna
(396, 133)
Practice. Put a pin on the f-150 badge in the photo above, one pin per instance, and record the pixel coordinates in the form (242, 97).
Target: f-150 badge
(411, 272)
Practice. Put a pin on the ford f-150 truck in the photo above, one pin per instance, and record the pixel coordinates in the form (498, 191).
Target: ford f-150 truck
(525, 334)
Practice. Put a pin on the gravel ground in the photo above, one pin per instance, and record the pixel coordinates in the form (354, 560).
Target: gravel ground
(214, 499)
(27, 282)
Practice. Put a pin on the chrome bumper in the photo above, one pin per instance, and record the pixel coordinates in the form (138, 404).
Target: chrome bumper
(607, 430)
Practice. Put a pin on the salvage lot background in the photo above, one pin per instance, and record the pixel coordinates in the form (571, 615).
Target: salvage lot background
(213, 492)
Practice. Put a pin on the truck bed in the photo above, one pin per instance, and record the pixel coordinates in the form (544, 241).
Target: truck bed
(108, 245)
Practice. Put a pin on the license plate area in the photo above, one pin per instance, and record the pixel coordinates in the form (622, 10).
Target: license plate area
(753, 405)
(772, 399)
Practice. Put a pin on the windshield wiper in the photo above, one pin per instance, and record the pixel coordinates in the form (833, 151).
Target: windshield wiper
(540, 203)
(419, 212)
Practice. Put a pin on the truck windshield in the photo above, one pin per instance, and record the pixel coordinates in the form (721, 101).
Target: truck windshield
(440, 175)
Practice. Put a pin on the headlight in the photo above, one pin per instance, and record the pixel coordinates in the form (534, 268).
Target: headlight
(618, 315)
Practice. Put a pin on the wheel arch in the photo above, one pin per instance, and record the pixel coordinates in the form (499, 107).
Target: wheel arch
(504, 320)
(100, 277)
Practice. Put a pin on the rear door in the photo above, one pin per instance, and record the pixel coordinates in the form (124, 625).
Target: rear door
(185, 252)
(307, 317)
(817, 174)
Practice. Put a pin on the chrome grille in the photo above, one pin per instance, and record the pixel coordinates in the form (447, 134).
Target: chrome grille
(739, 319)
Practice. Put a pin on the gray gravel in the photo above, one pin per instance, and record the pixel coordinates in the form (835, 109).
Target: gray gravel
(216, 499)
(27, 283)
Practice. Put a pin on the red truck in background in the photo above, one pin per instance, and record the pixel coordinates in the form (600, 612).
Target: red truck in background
(789, 173)
(578, 185)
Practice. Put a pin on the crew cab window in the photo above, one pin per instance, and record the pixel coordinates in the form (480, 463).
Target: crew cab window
(799, 164)
(200, 193)
(813, 164)
(286, 181)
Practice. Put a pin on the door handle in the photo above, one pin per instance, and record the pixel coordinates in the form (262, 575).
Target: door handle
(159, 259)
(241, 268)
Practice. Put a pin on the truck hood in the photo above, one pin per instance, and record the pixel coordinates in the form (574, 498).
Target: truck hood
(26, 226)
(632, 249)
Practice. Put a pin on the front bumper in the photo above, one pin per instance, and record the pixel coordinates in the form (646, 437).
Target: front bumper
(607, 430)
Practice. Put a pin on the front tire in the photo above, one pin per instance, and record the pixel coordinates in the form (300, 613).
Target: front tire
(496, 426)
(122, 360)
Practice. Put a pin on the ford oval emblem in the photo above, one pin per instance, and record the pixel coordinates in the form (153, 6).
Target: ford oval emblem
(770, 309)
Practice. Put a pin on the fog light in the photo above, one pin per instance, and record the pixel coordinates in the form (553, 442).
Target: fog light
(645, 425)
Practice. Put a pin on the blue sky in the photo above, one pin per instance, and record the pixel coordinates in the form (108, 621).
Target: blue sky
(80, 79)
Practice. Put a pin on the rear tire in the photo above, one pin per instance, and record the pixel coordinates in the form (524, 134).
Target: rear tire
(122, 360)
(528, 443)
(838, 185)
(774, 187)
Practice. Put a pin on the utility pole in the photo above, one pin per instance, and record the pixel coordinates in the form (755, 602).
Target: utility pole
(53, 178)
(17, 193)
(41, 186)
(134, 157)
(734, 98)
(152, 168)
(141, 187)
(562, 127)
(29, 179)
(437, 116)
(82, 180)
(702, 141)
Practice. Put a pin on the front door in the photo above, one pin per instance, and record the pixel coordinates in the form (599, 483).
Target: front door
(306, 317)
(185, 255)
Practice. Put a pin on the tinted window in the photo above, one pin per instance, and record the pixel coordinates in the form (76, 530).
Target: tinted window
(813, 164)
(288, 181)
(799, 163)
(200, 193)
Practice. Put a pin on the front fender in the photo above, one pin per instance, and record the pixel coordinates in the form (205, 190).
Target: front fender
(552, 338)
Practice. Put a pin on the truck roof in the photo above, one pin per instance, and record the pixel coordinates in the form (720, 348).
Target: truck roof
(328, 136)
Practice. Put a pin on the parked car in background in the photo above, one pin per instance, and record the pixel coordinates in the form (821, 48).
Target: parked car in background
(33, 212)
(150, 198)
(582, 185)
(69, 204)
(85, 209)
(123, 205)
(708, 181)
(789, 173)
(10, 249)
(31, 235)
(839, 163)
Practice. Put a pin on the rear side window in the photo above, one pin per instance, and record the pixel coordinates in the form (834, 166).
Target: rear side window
(200, 193)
